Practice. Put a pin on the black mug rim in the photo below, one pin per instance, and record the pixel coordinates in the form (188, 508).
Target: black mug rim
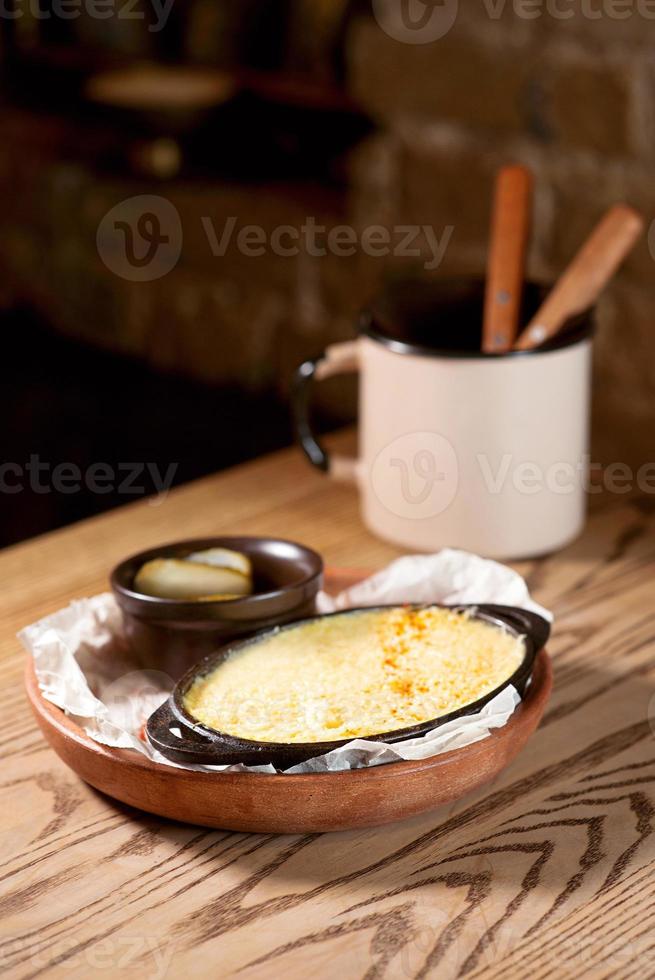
(577, 329)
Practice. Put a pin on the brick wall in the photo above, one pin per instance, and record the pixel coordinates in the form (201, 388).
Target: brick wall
(233, 318)
(571, 97)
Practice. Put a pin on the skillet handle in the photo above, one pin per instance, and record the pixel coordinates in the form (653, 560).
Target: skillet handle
(191, 748)
(194, 748)
(534, 626)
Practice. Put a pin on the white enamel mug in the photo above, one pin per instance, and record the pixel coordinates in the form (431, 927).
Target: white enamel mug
(484, 452)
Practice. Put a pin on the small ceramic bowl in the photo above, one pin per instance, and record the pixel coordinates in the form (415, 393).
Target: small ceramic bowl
(173, 634)
(181, 738)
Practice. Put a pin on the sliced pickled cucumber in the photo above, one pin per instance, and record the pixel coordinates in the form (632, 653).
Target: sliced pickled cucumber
(172, 578)
(223, 558)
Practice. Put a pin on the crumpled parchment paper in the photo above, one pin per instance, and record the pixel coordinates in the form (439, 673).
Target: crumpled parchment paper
(83, 663)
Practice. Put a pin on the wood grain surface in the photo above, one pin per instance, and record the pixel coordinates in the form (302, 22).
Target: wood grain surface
(550, 870)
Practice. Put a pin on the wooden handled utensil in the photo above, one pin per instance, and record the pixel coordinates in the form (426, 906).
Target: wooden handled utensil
(587, 275)
(510, 226)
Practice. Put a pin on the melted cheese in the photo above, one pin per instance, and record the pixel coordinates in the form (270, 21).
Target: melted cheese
(354, 675)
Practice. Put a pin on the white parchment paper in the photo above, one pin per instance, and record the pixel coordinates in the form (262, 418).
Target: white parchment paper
(83, 663)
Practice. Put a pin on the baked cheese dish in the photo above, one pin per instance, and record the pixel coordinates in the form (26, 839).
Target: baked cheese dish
(354, 674)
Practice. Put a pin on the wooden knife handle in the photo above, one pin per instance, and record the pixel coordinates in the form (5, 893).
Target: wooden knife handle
(510, 227)
(587, 275)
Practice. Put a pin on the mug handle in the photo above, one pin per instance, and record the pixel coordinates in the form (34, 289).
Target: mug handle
(337, 359)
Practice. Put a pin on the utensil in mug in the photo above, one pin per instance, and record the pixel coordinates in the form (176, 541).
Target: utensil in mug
(582, 282)
(510, 225)
(485, 452)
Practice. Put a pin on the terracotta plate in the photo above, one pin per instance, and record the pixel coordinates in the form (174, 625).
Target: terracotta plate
(292, 804)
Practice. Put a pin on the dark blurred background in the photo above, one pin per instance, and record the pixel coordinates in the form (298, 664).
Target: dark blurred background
(271, 112)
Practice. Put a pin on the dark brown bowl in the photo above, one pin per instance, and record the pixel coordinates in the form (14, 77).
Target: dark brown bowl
(173, 634)
(191, 742)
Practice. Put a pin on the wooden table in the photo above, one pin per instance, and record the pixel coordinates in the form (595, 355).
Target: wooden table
(550, 870)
